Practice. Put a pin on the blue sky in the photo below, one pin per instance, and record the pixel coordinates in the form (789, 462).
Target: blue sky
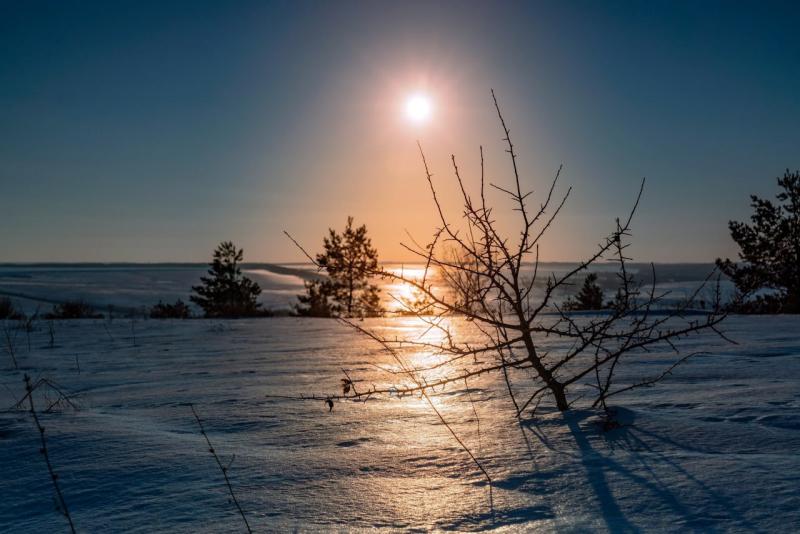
(138, 131)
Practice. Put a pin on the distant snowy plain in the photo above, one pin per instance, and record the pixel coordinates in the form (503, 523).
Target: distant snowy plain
(713, 448)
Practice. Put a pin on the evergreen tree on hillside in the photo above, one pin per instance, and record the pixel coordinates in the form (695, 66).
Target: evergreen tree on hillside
(590, 297)
(769, 251)
(348, 260)
(226, 292)
(622, 300)
(318, 302)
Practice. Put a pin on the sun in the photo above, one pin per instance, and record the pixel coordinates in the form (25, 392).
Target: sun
(418, 108)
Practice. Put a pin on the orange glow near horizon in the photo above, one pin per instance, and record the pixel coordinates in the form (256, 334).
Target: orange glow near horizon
(373, 169)
(402, 293)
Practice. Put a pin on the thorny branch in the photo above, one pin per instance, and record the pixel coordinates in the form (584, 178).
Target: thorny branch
(495, 284)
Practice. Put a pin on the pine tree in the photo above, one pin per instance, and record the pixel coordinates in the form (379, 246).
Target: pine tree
(621, 301)
(348, 260)
(769, 251)
(590, 296)
(226, 292)
(317, 301)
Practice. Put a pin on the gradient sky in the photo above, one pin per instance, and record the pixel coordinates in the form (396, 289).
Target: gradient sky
(136, 131)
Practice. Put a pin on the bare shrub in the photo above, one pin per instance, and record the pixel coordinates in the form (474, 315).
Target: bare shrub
(74, 309)
(494, 282)
(178, 310)
(61, 504)
(53, 395)
(7, 310)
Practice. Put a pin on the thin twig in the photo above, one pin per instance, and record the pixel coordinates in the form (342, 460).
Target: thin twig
(222, 468)
(44, 452)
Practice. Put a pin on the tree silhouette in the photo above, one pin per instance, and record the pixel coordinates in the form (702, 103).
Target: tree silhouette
(7, 310)
(769, 251)
(73, 309)
(590, 296)
(317, 301)
(226, 293)
(178, 310)
(347, 259)
(491, 280)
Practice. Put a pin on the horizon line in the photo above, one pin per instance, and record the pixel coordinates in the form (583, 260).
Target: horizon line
(205, 262)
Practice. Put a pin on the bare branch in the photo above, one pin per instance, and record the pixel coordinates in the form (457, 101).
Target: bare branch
(223, 469)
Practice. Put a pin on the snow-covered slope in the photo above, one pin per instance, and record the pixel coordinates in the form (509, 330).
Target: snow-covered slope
(713, 448)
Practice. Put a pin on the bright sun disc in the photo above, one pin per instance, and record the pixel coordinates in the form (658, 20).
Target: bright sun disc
(418, 108)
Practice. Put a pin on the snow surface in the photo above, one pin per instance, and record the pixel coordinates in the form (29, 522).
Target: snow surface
(712, 448)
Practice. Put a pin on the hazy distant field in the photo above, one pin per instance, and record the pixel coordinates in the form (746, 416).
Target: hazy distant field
(130, 287)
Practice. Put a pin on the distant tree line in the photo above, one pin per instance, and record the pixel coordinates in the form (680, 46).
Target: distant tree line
(178, 310)
(766, 277)
(345, 289)
(7, 310)
(767, 273)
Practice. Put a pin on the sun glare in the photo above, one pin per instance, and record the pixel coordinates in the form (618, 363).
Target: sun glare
(418, 108)
(404, 294)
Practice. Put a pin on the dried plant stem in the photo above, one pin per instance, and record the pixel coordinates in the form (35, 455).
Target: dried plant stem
(43, 450)
(10, 345)
(52, 333)
(62, 397)
(222, 468)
